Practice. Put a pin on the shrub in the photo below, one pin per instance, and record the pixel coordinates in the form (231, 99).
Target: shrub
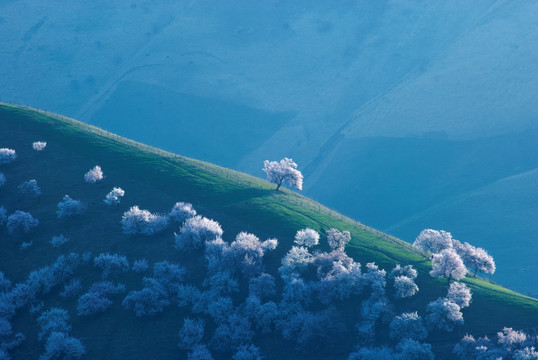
(137, 221)
(247, 352)
(69, 207)
(182, 211)
(443, 314)
(21, 222)
(262, 286)
(197, 230)
(404, 271)
(111, 264)
(7, 155)
(30, 188)
(114, 196)
(405, 287)
(96, 299)
(191, 333)
(232, 333)
(39, 145)
(408, 325)
(53, 320)
(460, 294)
(248, 252)
(72, 288)
(59, 345)
(58, 240)
(140, 265)
(152, 299)
(94, 175)
(338, 239)
(199, 352)
(410, 349)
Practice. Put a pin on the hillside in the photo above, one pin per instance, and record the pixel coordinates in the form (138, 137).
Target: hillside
(155, 180)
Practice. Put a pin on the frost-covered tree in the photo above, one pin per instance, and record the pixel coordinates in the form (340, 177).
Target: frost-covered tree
(2, 179)
(307, 237)
(235, 331)
(404, 271)
(21, 222)
(114, 196)
(140, 265)
(182, 211)
(460, 294)
(405, 287)
(94, 175)
(111, 264)
(262, 285)
(444, 314)
(30, 188)
(433, 241)
(247, 352)
(296, 260)
(248, 252)
(39, 145)
(448, 264)
(60, 345)
(338, 239)
(527, 353)
(52, 320)
(7, 155)
(149, 301)
(137, 221)
(71, 288)
(476, 258)
(192, 333)
(199, 352)
(197, 230)
(69, 207)
(58, 240)
(509, 338)
(284, 171)
(97, 299)
(408, 325)
(410, 349)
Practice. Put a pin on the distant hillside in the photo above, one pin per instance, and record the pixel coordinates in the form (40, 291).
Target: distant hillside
(431, 85)
(155, 180)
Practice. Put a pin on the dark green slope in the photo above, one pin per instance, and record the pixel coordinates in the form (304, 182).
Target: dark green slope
(155, 180)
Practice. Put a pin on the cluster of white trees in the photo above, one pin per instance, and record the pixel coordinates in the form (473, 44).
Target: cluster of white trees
(7, 155)
(39, 145)
(450, 258)
(138, 221)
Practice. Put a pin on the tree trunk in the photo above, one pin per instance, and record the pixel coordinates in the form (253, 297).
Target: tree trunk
(475, 271)
(278, 186)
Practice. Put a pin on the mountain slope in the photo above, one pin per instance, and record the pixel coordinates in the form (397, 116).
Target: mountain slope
(155, 180)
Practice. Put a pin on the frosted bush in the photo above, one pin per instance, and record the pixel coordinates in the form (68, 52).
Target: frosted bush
(111, 264)
(509, 338)
(39, 145)
(338, 239)
(404, 271)
(59, 345)
(114, 196)
(94, 175)
(58, 240)
(140, 265)
(460, 294)
(7, 155)
(55, 319)
(307, 237)
(444, 314)
(72, 288)
(182, 211)
(433, 241)
(137, 221)
(408, 325)
(2, 179)
(68, 207)
(21, 222)
(30, 188)
(197, 230)
(191, 333)
(96, 299)
(405, 287)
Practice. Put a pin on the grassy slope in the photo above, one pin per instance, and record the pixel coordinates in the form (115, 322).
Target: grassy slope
(155, 180)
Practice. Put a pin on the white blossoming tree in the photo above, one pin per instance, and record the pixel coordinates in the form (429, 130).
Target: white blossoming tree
(307, 237)
(114, 196)
(284, 171)
(94, 175)
(39, 145)
(449, 265)
(7, 155)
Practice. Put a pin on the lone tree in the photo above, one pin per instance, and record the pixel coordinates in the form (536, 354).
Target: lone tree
(283, 171)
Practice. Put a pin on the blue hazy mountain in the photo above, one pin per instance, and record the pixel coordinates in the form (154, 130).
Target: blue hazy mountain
(403, 115)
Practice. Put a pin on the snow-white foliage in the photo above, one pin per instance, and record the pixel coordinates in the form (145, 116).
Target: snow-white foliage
(509, 338)
(191, 334)
(284, 171)
(197, 230)
(111, 264)
(297, 259)
(460, 294)
(21, 222)
(405, 287)
(410, 349)
(2, 179)
(58, 240)
(39, 145)
(339, 276)
(7, 155)
(114, 196)
(30, 188)
(376, 279)
(3, 215)
(408, 325)
(444, 314)
(68, 207)
(433, 241)
(307, 237)
(404, 271)
(248, 252)
(182, 211)
(476, 258)
(94, 175)
(527, 353)
(448, 264)
(338, 239)
(137, 221)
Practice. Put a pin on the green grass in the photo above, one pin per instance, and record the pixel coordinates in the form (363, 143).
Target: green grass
(155, 180)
